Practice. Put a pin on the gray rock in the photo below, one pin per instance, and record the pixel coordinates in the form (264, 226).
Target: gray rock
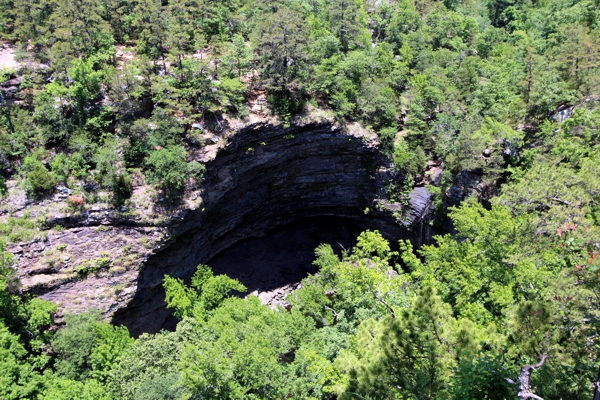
(63, 190)
(562, 113)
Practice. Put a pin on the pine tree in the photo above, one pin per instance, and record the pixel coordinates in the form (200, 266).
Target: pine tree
(282, 45)
(348, 23)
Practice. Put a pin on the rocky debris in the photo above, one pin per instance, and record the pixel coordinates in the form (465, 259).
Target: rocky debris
(277, 296)
(7, 57)
(63, 190)
(432, 174)
(257, 100)
(9, 90)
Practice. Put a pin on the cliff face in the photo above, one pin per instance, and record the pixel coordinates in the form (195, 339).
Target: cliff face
(265, 177)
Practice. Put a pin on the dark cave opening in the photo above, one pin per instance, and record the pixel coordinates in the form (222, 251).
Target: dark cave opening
(271, 265)
(285, 255)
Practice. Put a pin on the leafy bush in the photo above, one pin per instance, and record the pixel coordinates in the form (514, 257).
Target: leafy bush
(40, 180)
(413, 162)
(122, 189)
(3, 189)
(196, 170)
(60, 167)
(167, 169)
(386, 138)
(481, 378)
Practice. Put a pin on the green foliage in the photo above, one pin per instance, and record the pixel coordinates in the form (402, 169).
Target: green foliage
(469, 85)
(281, 43)
(92, 266)
(167, 169)
(40, 181)
(69, 389)
(206, 293)
(122, 189)
(481, 378)
(73, 346)
(411, 354)
(60, 167)
(484, 268)
(3, 189)
(245, 350)
(19, 378)
(110, 342)
(413, 162)
(147, 369)
(196, 170)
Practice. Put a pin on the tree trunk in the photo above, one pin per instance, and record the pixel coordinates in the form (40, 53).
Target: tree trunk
(597, 387)
(524, 390)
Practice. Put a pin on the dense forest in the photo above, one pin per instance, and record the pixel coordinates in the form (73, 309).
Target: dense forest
(115, 90)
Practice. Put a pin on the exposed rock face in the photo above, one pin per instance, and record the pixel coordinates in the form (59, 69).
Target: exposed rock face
(265, 177)
(466, 184)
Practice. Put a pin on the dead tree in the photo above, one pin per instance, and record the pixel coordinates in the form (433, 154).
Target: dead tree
(597, 387)
(524, 388)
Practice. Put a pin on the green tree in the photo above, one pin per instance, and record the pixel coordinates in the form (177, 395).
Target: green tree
(244, 350)
(347, 21)
(40, 181)
(151, 30)
(412, 355)
(206, 293)
(167, 169)
(147, 368)
(281, 42)
(110, 343)
(74, 344)
(239, 57)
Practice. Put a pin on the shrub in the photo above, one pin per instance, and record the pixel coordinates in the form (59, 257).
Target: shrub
(75, 202)
(196, 170)
(93, 266)
(3, 189)
(386, 138)
(60, 167)
(122, 189)
(167, 169)
(413, 162)
(40, 180)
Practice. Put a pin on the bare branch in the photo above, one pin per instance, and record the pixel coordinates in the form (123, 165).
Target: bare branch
(335, 314)
(384, 303)
(524, 389)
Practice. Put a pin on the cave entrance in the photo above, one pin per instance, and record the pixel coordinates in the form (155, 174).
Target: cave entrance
(274, 264)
